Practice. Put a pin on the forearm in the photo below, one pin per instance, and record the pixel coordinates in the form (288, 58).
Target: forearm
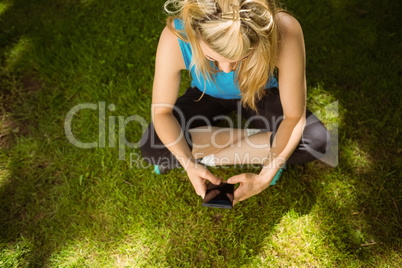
(170, 133)
(286, 140)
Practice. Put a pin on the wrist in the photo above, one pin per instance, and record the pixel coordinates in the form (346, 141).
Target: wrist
(189, 164)
(270, 169)
(272, 166)
(272, 176)
(268, 174)
(262, 181)
(185, 160)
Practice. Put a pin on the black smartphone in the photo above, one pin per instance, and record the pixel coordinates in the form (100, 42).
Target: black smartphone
(219, 196)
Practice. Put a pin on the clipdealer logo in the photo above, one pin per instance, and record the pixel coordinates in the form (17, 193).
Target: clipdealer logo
(330, 112)
(101, 143)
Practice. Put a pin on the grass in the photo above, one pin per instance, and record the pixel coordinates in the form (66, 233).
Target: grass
(65, 206)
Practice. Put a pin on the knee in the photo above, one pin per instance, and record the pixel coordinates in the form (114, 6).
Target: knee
(148, 151)
(317, 138)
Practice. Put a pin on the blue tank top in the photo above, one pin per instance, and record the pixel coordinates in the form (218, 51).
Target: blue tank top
(225, 87)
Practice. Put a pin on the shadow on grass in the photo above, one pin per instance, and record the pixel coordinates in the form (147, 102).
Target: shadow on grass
(50, 195)
(352, 50)
(45, 204)
(206, 236)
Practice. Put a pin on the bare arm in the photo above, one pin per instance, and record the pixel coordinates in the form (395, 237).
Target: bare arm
(292, 88)
(168, 66)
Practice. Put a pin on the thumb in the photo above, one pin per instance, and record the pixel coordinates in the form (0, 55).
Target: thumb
(212, 178)
(235, 179)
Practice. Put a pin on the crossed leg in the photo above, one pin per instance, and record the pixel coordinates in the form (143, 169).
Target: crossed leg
(230, 146)
(233, 146)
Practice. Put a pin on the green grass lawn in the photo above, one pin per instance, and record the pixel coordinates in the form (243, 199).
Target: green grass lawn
(64, 206)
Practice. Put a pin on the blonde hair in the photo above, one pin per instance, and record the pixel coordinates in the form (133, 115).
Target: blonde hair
(253, 29)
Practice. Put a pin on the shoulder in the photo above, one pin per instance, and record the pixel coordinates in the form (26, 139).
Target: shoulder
(172, 34)
(291, 40)
(169, 50)
(168, 36)
(288, 26)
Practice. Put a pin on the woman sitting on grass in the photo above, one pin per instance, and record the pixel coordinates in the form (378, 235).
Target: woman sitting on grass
(232, 48)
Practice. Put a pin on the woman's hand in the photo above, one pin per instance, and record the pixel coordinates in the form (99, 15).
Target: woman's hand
(250, 184)
(198, 175)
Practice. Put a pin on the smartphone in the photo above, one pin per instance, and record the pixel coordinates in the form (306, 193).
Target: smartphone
(219, 196)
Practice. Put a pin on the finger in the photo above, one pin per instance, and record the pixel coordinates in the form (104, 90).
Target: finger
(234, 201)
(236, 179)
(212, 178)
(202, 190)
(238, 194)
(211, 195)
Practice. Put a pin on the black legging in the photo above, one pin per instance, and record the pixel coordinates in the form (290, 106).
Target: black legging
(191, 113)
